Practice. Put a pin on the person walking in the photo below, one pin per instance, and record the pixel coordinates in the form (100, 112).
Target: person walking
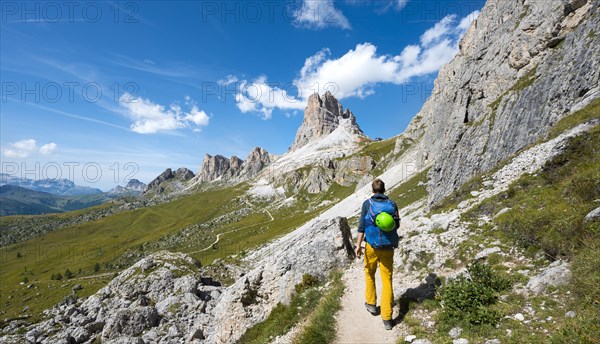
(378, 227)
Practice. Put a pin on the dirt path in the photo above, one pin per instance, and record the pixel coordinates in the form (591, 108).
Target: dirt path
(234, 230)
(354, 323)
(94, 276)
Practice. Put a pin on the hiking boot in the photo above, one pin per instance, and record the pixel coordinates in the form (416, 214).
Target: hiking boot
(371, 308)
(388, 324)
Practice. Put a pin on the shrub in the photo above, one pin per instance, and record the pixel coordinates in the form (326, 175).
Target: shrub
(68, 274)
(308, 281)
(470, 298)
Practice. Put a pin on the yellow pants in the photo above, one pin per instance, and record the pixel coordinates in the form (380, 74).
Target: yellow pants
(385, 259)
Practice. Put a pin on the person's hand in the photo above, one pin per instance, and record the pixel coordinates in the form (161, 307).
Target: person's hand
(358, 252)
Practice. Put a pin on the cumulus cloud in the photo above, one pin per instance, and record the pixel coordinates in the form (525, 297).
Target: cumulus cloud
(319, 14)
(48, 148)
(24, 148)
(150, 118)
(262, 97)
(357, 72)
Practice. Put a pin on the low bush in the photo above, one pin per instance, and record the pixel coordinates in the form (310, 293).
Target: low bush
(470, 298)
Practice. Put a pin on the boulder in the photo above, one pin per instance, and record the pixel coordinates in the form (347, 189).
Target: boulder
(556, 274)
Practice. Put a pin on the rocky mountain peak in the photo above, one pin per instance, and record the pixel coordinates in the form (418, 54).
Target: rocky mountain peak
(135, 184)
(256, 161)
(166, 175)
(213, 167)
(219, 167)
(181, 175)
(322, 115)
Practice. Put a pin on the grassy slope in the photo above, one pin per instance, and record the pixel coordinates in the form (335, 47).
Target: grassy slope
(100, 241)
(410, 191)
(106, 240)
(547, 212)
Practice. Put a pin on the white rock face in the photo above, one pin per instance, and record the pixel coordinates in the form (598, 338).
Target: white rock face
(509, 83)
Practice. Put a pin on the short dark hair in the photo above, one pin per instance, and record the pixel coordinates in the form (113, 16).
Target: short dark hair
(378, 186)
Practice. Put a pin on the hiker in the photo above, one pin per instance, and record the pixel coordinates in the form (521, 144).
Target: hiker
(378, 225)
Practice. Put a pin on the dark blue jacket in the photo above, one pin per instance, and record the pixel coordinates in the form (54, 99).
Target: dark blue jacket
(365, 210)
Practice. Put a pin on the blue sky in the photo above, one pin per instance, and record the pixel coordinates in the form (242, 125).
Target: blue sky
(100, 92)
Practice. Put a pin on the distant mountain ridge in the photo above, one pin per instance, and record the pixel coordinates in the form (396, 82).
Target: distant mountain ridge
(17, 200)
(59, 187)
(133, 187)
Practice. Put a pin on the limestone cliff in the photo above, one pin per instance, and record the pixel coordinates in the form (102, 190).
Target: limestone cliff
(522, 66)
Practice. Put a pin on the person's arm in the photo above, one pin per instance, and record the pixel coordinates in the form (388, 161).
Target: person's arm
(361, 229)
(359, 241)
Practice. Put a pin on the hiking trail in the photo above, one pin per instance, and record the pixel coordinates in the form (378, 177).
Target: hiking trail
(354, 323)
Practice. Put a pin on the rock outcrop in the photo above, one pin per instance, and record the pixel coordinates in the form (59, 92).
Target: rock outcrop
(321, 117)
(234, 169)
(136, 185)
(320, 176)
(522, 66)
(215, 167)
(556, 274)
(314, 249)
(164, 298)
(256, 161)
(176, 181)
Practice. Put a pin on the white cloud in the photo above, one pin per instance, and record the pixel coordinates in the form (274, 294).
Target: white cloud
(260, 96)
(439, 30)
(24, 148)
(21, 149)
(466, 22)
(359, 71)
(230, 79)
(48, 148)
(150, 118)
(319, 14)
(353, 74)
(199, 118)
